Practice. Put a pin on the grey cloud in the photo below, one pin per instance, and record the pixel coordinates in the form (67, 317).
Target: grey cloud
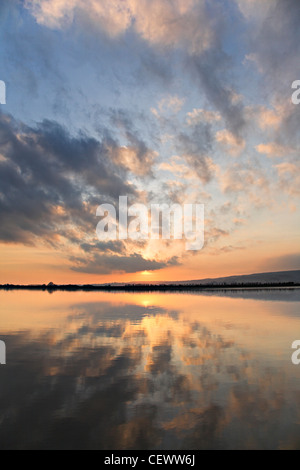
(50, 186)
(107, 264)
(247, 177)
(288, 133)
(137, 157)
(211, 71)
(202, 166)
(199, 141)
(274, 40)
(155, 66)
(195, 147)
(110, 246)
(50, 180)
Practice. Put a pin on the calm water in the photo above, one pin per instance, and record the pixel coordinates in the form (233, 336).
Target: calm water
(149, 371)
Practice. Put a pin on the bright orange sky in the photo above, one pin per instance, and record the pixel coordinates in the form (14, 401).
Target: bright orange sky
(26, 265)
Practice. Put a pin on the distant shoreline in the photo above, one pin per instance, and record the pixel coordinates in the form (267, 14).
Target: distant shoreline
(150, 287)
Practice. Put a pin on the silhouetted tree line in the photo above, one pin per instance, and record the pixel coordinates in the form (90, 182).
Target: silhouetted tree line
(148, 287)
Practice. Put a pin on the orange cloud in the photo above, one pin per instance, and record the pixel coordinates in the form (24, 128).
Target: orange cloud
(202, 115)
(159, 22)
(269, 119)
(169, 104)
(128, 157)
(273, 150)
(230, 142)
(289, 178)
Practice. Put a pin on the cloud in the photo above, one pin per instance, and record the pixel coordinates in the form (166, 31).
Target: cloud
(269, 118)
(195, 27)
(50, 186)
(230, 143)
(51, 182)
(213, 234)
(109, 247)
(176, 23)
(170, 104)
(178, 169)
(113, 16)
(121, 45)
(201, 115)
(284, 168)
(274, 39)
(273, 149)
(203, 165)
(226, 249)
(136, 156)
(155, 66)
(138, 159)
(211, 71)
(248, 177)
(289, 178)
(252, 9)
(107, 264)
(195, 146)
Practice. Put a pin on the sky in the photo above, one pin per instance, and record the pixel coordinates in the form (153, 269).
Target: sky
(162, 101)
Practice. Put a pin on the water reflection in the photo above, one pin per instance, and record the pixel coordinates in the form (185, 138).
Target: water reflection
(148, 372)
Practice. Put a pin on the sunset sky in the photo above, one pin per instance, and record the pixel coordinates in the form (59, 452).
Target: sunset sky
(163, 101)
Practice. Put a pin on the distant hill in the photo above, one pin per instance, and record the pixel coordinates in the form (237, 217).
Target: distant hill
(262, 278)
